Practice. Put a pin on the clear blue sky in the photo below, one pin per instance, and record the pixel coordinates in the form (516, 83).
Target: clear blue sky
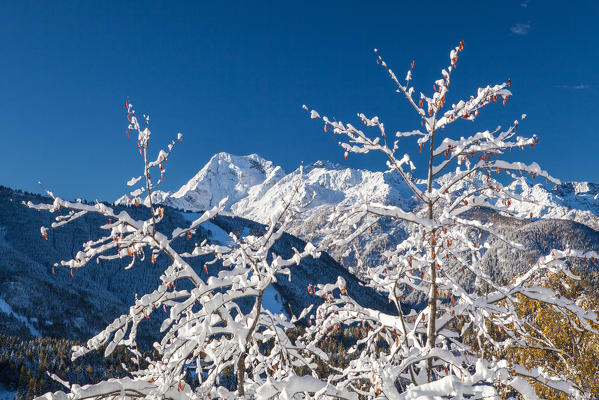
(232, 76)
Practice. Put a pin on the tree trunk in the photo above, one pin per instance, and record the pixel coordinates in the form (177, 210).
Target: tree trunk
(241, 375)
(432, 328)
(241, 361)
(432, 298)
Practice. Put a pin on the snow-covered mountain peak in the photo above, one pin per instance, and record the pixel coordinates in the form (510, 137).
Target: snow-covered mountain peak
(325, 164)
(225, 168)
(258, 190)
(324, 185)
(224, 175)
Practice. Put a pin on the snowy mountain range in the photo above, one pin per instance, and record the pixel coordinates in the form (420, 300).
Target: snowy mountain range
(253, 183)
(257, 189)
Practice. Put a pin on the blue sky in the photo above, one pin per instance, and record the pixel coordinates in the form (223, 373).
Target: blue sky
(232, 76)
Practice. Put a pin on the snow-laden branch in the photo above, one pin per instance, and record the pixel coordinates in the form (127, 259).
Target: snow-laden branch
(214, 319)
(441, 341)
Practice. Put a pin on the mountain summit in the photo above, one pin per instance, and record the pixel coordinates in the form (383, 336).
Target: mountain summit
(223, 175)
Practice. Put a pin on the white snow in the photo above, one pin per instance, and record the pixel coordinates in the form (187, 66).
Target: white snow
(7, 309)
(330, 185)
(577, 201)
(259, 190)
(224, 175)
(218, 234)
(133, 181)
(271, 300)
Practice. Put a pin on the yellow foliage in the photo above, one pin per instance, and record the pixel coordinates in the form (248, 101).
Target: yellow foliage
(556, 341)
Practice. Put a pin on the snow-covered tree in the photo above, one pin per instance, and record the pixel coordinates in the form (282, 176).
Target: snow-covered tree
(445, 345)
(216, 324)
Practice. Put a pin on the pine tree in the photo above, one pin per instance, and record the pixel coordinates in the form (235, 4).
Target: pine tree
(24, 376)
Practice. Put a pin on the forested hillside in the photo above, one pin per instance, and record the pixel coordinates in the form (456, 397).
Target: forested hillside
(24, 365)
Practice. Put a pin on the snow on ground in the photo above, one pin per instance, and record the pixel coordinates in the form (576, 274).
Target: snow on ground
(217, 233)
(271, 300)
(7, 309)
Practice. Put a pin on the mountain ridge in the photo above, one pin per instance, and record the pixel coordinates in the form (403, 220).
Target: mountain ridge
(325, 185)
(232, 176)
